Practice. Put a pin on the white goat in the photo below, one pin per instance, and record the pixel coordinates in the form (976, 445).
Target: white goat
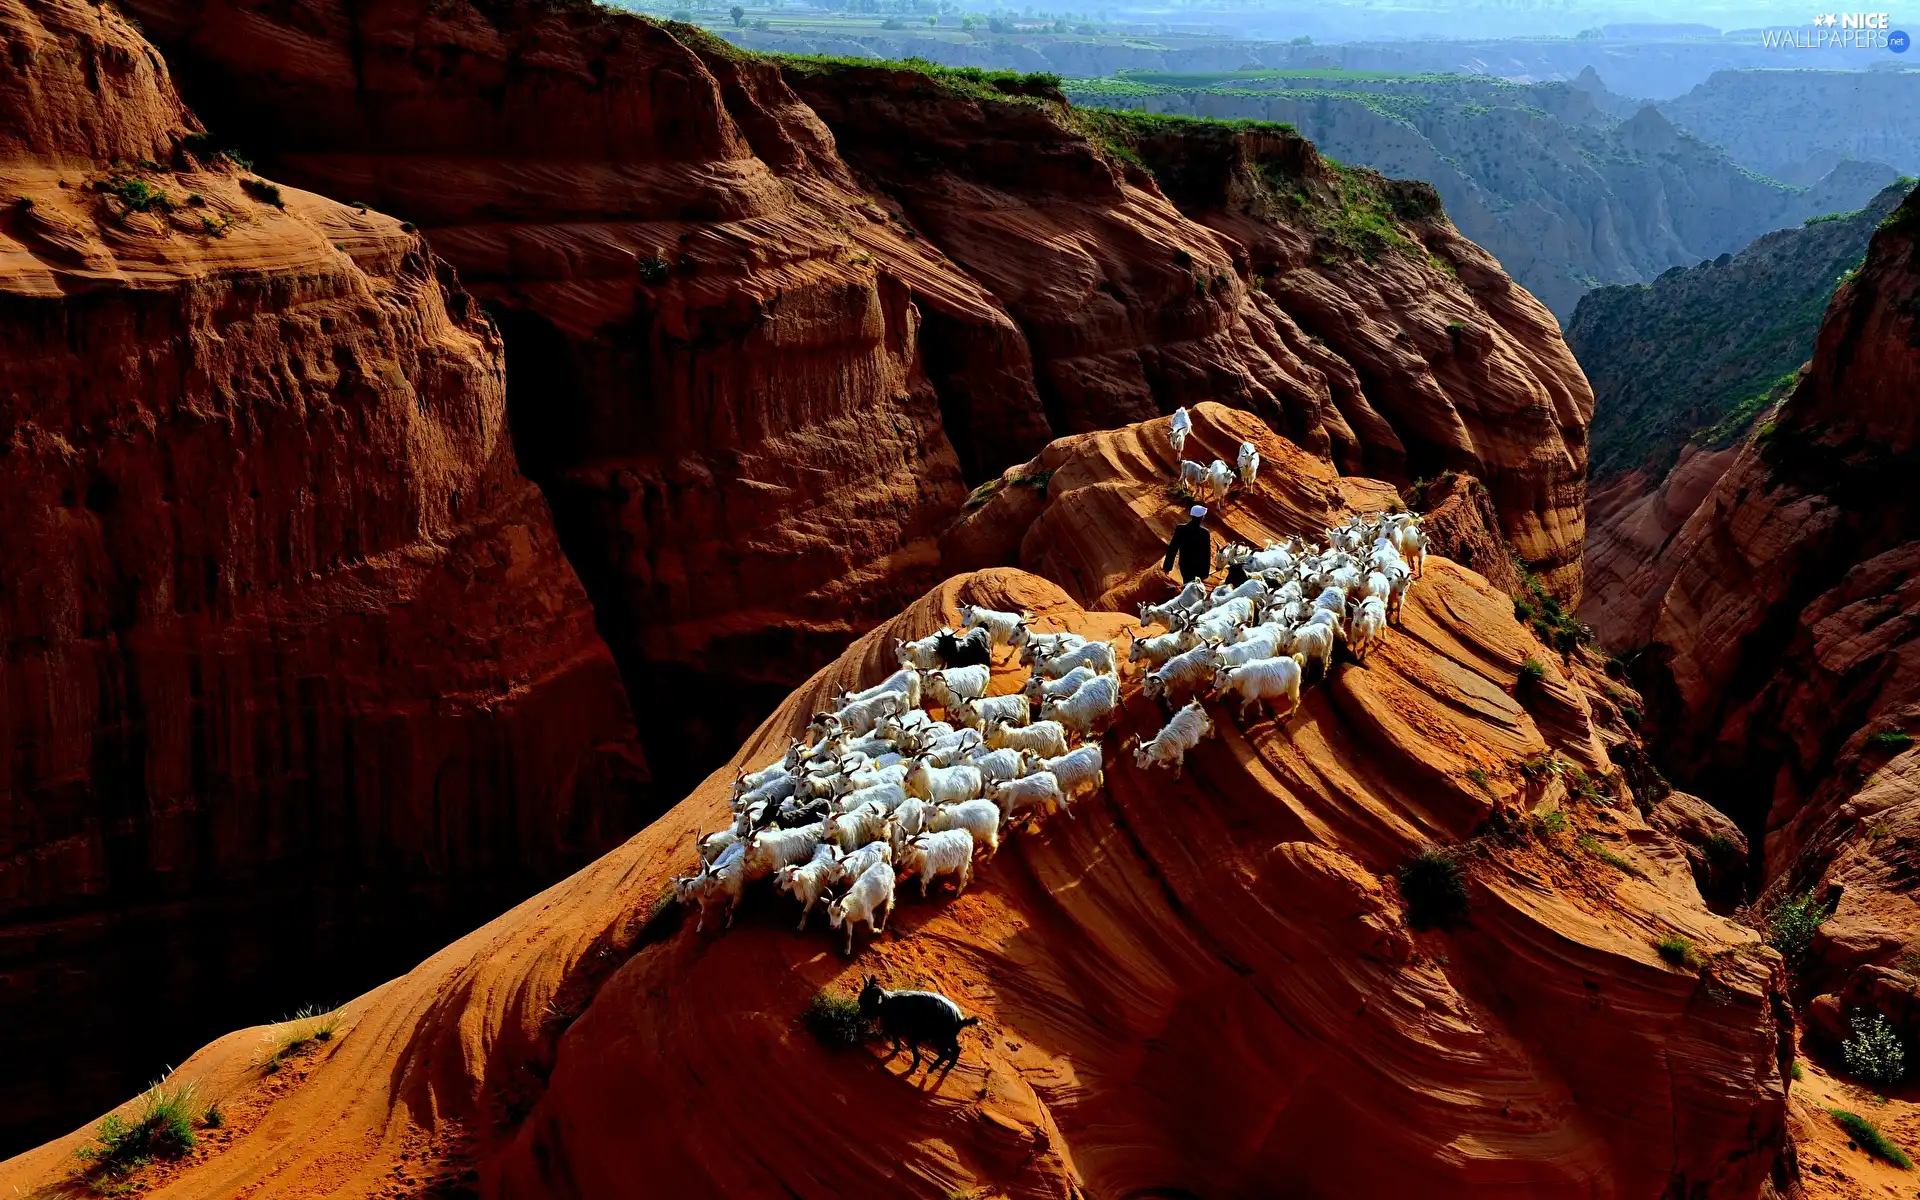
(1163, 613)
(1263, 681)
(1186, 672)
(849, 867)
(945, 785)
(1097, 655)
(725, 879)
(998, 765)
(1260, 641)
(1038, 791)
(947, 688)
(772, 849)
(906, 681)
(856, 828)
(1220, 479)
(1179, 425)
(1013, 710)
(909, 822)
(1039, 687)
(980, 818)
(785, 766)
(1313, 642)
(809, 883)
(1090, 706)
(1169, 747)
(1248, 464)
(934, 855)
(1368, 623)
(862, 715)
(870, 896)
(1007, 629)
(923, 654)
(1252, 589)
(712, 845)
(1193, 475)
(1156, 650)
(1081, 770)
(1041, 737)
(1046, 645)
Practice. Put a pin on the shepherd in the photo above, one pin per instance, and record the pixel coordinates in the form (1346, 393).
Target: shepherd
(1192, 545)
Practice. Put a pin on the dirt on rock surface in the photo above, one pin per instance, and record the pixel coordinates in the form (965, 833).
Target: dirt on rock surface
(1208, 985)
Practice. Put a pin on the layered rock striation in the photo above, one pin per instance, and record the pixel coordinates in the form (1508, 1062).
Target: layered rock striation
(1209, 986)
(293, 676)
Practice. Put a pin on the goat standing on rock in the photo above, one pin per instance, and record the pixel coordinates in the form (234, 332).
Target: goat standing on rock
(916, 1018)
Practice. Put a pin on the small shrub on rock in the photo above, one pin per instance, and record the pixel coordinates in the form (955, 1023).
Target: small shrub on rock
(1434, 886)
(1874, 1053)
(835, 1019)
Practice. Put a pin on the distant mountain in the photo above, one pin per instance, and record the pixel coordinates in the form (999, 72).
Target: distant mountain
(1699, 352)
(1776, 120)
(1567, 196)
(1658, 65)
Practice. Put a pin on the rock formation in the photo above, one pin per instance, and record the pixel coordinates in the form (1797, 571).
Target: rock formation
(1781, 675)
(764, 320)
(1565, 196)
(1208, 985)
(293, 676)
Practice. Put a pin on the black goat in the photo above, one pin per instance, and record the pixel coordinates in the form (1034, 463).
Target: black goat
(972, 649)
(916, 1017)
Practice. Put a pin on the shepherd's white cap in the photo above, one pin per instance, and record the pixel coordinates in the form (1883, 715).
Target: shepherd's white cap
(1198, 510)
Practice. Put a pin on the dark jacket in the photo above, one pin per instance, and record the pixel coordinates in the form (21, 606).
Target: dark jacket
(1190, 544)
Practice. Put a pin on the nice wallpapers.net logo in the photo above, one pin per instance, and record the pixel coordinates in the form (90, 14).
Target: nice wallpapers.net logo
(1841, 31)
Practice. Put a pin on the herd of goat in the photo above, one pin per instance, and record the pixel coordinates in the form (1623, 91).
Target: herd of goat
(878, 792)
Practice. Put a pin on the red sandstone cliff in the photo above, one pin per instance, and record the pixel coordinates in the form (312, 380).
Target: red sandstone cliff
(1206, 985)
(293, 675)
(762, 319)
(1784, 671)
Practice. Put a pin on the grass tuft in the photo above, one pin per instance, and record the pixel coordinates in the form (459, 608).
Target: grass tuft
(163, 1130)
(1434, 886)
(1679, 951)
(835, 1019)
(305, 1029)
(1890, 739)
(1532, 671)
(264, 192)
(1592, 846)
(1869, 1138)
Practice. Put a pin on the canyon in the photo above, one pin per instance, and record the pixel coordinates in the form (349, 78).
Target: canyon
(1112, 957)
(401, 544)
(447, 442)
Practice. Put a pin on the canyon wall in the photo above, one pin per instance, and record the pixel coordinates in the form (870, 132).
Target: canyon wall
(1781, 675)
(294, 680)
